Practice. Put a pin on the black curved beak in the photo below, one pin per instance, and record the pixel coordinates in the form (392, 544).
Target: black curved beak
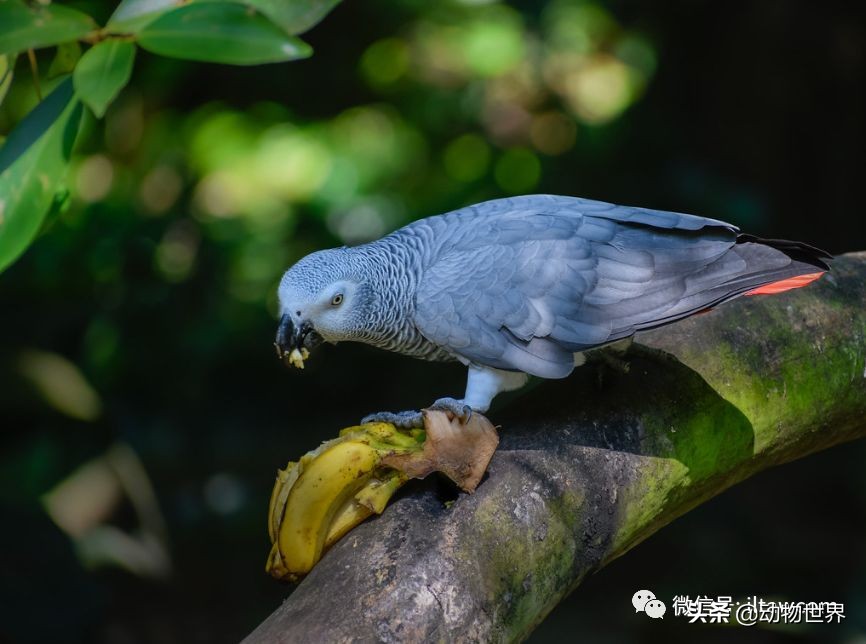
(291, 336)
(286, 336)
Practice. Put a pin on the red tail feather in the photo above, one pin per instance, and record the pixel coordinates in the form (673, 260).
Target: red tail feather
(786, 285)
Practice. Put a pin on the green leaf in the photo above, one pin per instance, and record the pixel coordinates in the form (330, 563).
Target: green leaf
(23, 27)
(133, 15)
(103, 71)
(30, 178)
(297, 16)
(221, 32)
(293, 16)
(35, 124)
(65, 59)
(7, 67)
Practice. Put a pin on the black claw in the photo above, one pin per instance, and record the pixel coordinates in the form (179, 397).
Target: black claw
(456, 407)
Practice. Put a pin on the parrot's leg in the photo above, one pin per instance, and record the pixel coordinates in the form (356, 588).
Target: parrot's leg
(482, 386)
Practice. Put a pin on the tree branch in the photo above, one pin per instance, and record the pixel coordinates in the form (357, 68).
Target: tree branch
(590, 466)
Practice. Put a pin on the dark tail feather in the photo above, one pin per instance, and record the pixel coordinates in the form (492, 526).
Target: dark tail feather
(766, 272)
(798, 251)
(765, 276)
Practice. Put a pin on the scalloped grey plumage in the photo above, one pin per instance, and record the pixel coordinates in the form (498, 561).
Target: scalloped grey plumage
(524, 284)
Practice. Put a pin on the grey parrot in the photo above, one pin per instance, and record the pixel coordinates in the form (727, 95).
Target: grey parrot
(525, 286)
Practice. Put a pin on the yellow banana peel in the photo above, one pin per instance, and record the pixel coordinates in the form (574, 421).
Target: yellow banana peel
(332, 489)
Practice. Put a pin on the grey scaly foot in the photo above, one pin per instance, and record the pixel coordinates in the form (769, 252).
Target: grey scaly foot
(457, 407)
(401, 419)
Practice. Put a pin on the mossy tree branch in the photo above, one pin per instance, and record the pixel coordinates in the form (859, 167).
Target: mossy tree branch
(590, 466)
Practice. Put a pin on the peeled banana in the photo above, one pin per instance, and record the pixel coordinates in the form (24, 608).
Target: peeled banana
(319, 492)
(330, 490)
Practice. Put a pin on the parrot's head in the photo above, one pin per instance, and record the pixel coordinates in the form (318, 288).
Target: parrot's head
(321, 299)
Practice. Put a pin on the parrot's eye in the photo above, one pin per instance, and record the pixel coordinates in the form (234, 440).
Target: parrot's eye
(337, 300)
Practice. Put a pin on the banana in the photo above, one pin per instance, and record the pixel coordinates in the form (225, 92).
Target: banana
(321, 489)
(333, 488)
(375, 495)
(285, 480)
(283, 485)
(347, 517)
(330, 490)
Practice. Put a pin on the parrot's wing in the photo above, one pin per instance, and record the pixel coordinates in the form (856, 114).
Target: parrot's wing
(524, 283)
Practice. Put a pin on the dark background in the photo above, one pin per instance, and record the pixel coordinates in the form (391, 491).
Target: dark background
(139, 325)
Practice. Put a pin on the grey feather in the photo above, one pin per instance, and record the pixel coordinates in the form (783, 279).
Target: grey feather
(524, 283)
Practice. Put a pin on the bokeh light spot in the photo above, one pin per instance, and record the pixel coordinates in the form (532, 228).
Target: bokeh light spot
(160, 189)
(217, 194)
(577, 26)
(553, 132)
(220, 140)
(175, 254)
(600, 89)
(357, 225)
(61, 384)
(291, 164)
(494, 46)
(385, 62)
(517, 171)
(224, 493)
(466, 158)
(94, 178)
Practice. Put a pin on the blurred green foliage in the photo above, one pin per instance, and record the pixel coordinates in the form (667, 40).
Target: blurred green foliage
(136, 330)
(237, 32)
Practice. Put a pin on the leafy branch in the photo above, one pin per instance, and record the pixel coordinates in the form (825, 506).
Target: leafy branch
(34, 157)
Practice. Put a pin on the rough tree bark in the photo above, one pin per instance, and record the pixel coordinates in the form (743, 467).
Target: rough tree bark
(590, 466)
